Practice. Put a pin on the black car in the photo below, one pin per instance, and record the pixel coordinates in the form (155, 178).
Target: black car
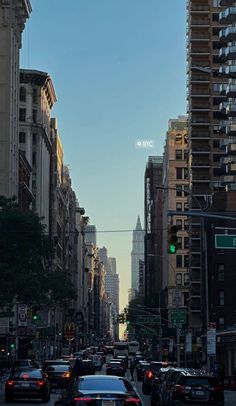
(52, 362)
(88, 367)
(197, 387)
(150, 374)
(166, 389)
(27, 383)
(100, 390)
(59, 375)
(116, 368)
(141, 368)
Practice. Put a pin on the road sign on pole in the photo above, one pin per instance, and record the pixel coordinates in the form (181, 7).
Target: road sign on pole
(178, 316)
(225, 241)
(154, 319)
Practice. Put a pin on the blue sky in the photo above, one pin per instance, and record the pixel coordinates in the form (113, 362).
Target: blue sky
(119, 72)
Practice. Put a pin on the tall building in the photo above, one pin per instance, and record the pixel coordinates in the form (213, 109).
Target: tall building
(36, 99)
(153, 230)
(12, 22)
(136, 254)
(205, 92)
(175, 278)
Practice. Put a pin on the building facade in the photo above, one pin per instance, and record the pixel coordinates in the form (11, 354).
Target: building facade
(12, 23)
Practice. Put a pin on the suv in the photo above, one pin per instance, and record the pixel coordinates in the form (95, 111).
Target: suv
(150, 374)
(193, 387)
(167, 386)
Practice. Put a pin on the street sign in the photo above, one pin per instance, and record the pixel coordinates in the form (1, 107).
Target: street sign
(154, 319)
(225, 241)
(146, 333)
(178, 316)
(7, 314)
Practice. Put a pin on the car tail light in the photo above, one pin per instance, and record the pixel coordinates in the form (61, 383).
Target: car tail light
(180, 388)
(10, 382)
(66, 375)
(132, 400)
(40, 383)
(149, 374)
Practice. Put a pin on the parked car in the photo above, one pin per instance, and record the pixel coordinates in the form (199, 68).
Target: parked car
(28, 383)
(115, 368)
(59, 375)
(194, 387)
(150, 374)
(141, 368)
(101, 390)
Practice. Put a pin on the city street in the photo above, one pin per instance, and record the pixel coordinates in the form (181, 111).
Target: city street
(230, 396)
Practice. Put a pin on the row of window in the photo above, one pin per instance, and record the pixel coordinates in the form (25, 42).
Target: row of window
(181, 278)
(22, 115)
(182, 206)
(181, 154)
(22, 94)
(22, 137)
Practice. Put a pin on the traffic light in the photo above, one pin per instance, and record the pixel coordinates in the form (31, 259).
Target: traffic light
(121, 318)
(34, 314)
(172, 239)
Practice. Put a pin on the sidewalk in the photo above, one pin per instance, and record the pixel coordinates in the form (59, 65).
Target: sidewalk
(230, 397)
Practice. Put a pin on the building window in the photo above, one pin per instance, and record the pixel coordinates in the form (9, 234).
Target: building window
(34, 116)
(186, 261)
(22, 114)
(179, 224)
(186, 242)
(179, 190)
(185, 154)
(186, 278)
(178, 261)
(179, 173)
(34, 158)
(179, 279)
(185, 173)
(178, 139)
(22, 93)
(185, 225)
(22, 137)
(179, 243)
(221, 322)
(221, 272)
(178, 206)
(35, 95)
(178, 154)
(185, 206)
(221, 297)
(34, 139)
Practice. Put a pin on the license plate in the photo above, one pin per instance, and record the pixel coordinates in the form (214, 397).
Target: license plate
(198, 393)
(25, 385)
(108, 403)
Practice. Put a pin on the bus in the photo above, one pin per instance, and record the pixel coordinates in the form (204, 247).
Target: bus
(121, 348)
(133, 347)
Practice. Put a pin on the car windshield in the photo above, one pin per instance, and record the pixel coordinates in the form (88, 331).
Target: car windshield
(27, 374)
(103, 385)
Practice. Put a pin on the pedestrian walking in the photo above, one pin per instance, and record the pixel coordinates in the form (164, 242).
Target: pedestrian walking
(131, 368)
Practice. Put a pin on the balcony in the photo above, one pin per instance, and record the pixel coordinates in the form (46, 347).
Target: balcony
(222, 53)
(200, 163)
(200, 120)
(226, 141)
(199, 7)
(201, 134)
(230, 129)
(228, 34)
(200, 91)
(200, 22)
(229, 70)
(200, 106)
(222, 89)
(230, 52)
(231, 109)
(222, 106)
(228, 16)
(230, 90)
(226, 2)
(200, 149)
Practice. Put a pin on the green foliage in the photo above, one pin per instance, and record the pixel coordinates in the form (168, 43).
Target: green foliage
(26, 254)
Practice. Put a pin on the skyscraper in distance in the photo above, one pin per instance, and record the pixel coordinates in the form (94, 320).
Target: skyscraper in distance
(136, 254)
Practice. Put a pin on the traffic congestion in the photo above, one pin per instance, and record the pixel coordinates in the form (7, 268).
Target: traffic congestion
(110, 376)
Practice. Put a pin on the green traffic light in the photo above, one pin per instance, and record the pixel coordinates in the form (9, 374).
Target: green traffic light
(12, 346)
(172, 249)
(35, 317)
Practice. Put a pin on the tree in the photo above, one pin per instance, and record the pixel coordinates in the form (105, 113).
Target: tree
(26, 254)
